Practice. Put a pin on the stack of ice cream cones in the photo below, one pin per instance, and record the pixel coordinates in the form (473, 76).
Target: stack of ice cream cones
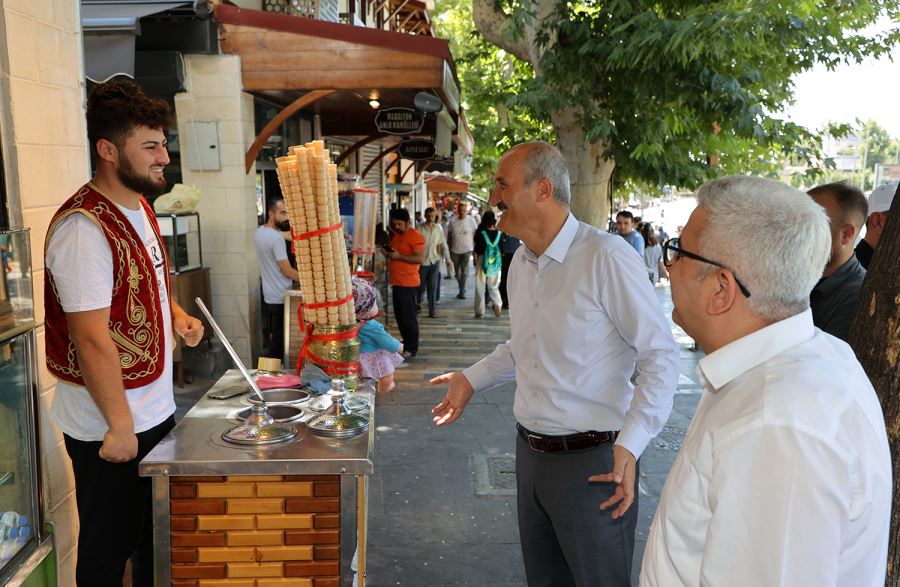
(309, 184)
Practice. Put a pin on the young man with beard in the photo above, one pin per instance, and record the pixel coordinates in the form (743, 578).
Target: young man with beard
(583, 319)
(276, 273)
(110, 320)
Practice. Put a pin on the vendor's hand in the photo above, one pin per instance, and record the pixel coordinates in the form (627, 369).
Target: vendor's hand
(624, 466)
(119, 447)
(188, 328)
(459, 392)
(390, 254)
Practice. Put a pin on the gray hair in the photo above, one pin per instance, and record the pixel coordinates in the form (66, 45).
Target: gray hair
(544, 160)
(774, 237)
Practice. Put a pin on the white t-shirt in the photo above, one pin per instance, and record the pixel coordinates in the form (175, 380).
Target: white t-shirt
(462, 232)
(79, 258)
(270, 249)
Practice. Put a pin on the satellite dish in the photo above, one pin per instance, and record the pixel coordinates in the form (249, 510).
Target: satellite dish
(426, 102)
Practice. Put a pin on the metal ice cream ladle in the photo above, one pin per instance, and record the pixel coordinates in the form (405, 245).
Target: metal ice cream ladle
(259, 428)
(230, 349)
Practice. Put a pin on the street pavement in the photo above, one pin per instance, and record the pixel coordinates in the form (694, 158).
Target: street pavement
(442, 505)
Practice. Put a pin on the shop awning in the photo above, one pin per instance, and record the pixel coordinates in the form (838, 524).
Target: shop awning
(446, 185)
(110, 28)
(291, 53)
(337, 71)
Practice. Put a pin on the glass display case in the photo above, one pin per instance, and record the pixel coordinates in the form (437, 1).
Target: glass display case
(24, 542)
(181, 233)
(16, 300)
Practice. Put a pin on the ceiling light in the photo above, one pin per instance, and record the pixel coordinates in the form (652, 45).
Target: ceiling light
(374, 104)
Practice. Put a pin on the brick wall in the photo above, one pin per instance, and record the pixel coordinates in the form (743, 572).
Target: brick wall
(248, 531)
(45, 159)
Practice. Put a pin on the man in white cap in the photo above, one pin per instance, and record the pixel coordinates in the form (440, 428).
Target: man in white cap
(879, 204)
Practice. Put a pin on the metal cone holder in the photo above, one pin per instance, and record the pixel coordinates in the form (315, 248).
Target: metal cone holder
(338, 421)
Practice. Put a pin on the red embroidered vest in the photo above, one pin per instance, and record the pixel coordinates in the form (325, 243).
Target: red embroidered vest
(135, 315)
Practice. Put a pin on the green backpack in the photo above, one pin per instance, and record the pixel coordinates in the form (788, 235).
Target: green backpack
(492, 261)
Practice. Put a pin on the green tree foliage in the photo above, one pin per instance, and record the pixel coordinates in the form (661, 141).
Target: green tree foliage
(673, 92)
(490, 80)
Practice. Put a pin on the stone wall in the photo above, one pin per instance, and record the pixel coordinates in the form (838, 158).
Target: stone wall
(45, 158)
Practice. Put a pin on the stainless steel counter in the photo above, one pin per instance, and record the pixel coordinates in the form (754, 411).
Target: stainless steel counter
(195, 447)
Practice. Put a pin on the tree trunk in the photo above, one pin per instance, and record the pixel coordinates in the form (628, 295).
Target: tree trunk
(875, 337)
(589, 172)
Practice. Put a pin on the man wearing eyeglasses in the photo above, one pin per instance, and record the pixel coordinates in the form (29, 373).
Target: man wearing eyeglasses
(583, 315)
(784, 476)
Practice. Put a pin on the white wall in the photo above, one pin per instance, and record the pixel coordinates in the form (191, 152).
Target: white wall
(228, 207)
(45, 159)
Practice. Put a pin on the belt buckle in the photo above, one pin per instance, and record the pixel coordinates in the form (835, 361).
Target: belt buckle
(531, 438)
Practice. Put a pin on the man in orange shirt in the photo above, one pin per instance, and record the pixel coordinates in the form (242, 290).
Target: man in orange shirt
(406, 253)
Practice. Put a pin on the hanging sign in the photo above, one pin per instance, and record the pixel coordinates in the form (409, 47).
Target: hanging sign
(399, 121)
(417, 149)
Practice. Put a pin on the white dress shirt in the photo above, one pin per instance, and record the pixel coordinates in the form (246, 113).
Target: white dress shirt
(435, 245)
(785, 474)
(582, 315)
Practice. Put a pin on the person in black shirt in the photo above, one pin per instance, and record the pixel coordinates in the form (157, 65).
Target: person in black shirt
(834, 298)
(879, 204)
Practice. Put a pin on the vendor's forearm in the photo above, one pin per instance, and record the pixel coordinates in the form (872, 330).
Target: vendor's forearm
(99, 362)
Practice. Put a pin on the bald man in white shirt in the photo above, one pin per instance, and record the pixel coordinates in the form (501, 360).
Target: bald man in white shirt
(583, 316)
(784, 477)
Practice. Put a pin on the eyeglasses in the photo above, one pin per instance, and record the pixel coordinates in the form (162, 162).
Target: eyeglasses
(672, 251)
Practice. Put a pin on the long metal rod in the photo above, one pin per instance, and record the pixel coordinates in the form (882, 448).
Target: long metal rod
(229, 348)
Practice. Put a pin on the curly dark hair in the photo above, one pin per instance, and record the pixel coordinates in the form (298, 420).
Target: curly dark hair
(116, 107)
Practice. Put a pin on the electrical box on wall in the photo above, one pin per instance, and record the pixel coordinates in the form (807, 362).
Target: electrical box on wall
(200, 146)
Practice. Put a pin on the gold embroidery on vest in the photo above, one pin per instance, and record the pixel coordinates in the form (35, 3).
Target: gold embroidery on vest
(141, 341)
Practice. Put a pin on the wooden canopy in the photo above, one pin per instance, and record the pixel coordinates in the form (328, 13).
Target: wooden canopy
(446, 185)
(283, 52)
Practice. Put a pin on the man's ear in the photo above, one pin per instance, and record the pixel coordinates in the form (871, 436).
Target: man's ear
(848, 234)
(107, 150)
(878, 220)
(544, 189)
(725, 290)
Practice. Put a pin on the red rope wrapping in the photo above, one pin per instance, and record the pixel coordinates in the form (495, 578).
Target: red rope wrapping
(330, 367)
(330, 304)
(320, 232)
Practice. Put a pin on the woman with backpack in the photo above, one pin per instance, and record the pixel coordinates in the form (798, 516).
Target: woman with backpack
(488, 264)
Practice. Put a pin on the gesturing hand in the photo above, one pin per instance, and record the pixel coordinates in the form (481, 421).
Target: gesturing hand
(624, 466)
(459, 391)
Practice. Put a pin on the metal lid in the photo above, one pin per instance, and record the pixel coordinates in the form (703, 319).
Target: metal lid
(340, 426)
(268, 435)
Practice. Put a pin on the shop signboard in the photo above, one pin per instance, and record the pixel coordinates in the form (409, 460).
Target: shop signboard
(416, 149)
(399, 121)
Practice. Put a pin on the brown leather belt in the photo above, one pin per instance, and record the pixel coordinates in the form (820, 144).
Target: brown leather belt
(580, 441)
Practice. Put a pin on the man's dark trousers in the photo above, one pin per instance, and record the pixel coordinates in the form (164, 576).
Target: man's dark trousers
(404, 299)
(115, 512)
(429, 276)
(566, 539)
(275, 318)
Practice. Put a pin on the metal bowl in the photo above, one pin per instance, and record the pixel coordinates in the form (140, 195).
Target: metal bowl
(280, 397)
(279, 413)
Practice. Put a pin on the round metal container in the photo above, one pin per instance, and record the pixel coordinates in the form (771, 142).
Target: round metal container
(335, 351)
(266, 435)
(321, 403)
(278, 413)
(280, 397)
(342, 426)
